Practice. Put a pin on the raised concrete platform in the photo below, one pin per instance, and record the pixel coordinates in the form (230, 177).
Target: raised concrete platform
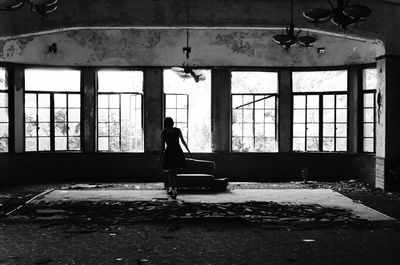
(322, 197)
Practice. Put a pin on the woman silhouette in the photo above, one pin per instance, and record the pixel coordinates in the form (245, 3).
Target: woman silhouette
(173, 155)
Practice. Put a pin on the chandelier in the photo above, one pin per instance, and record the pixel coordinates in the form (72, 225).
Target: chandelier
(343, 15)
(42, 7)
(290, 37)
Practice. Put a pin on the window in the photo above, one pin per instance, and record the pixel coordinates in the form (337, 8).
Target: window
(4, 127)
(52, 110)
(320, 111)
(194, 112)
(254, 96)
(177, 108)
(369, 92)
(119, 111)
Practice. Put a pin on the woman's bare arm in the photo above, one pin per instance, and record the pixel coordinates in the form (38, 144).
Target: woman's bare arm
(183, 140)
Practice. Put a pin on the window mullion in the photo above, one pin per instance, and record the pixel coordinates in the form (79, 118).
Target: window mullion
(321, 122)
(52, 140)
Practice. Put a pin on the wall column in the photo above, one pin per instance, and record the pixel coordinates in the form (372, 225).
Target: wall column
(285, 110)
(153, 109)
(221, 110)
(18, 104)
(388, 125)
(89, 109)
(354, 81)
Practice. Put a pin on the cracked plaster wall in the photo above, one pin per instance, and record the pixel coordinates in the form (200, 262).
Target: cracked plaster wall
(163, 47)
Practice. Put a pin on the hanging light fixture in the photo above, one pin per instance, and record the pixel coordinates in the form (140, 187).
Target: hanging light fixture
(343, 15)
(187, 71)
(42, 7)
(289, 38)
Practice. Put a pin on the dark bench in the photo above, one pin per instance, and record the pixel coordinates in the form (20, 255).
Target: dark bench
(199, 174)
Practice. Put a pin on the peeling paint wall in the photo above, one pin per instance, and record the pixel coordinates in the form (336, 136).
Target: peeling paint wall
(163, 47)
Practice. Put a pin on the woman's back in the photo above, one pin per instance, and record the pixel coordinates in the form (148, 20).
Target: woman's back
(171, 137)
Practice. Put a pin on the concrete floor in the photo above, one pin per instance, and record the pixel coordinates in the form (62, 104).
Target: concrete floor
(322, 197)
(204, 241)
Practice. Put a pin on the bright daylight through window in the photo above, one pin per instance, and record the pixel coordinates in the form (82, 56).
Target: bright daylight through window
(119, 111)
(254, 104)
(52, 110)
(189, 104)
(369, 106)
(4, 127)
(320, 111)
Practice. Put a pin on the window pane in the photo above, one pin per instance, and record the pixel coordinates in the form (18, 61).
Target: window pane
(3, 79)
(341, 130)
(254, 82)
(102, 101)
(269, 116)
(237, 144)
(299, 116)
(74, 101)
(44, 100)
(74, 129)
(114, 101)
(368, 115)
(30, 129)
(270, 130)
(312, 129)
(248, 129)
(312, 101)
(74, 143)
(299, 102)
(103, 115)
(247, 144)
(60, 129)
(328, 144)
(114, 115)
(44, 129)
(3, 114)
(3, 100)
(30, 115)
(312, 144)
(341, 101)
(181, 115)
(329, 101)
(3, 130)
(60, 100)
(181, 101)
(341, 144)
(329, 129)
(103, 129)
(103, 143)
(44, 143)
(370, 77)
(30, 100)
(3, 144)
(60, 143)
(329, 115)
(369, 100)
(319, 81)
(369, 130)
(60, 115)
(368, 145)
(313, 115)
(298, 144)
(259, 116)
(299, 129)
(170, 101)
(30, 144)
(236, 129)
(44, 115)
(74, 115)
(341, 115)
(52, 80)
(120, 81)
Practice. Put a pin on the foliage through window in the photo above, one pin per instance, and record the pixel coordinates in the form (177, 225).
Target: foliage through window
(369, 105)
(4, 119)
(254, 102)
(52, 110)
(119, 111)
(320, 111)
(198, 109)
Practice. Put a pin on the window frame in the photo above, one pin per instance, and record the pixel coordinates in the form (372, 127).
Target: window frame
(321, 121)
(7, 92)
(186, 137)
(52, 121)
(266, 96)
(120, 123)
